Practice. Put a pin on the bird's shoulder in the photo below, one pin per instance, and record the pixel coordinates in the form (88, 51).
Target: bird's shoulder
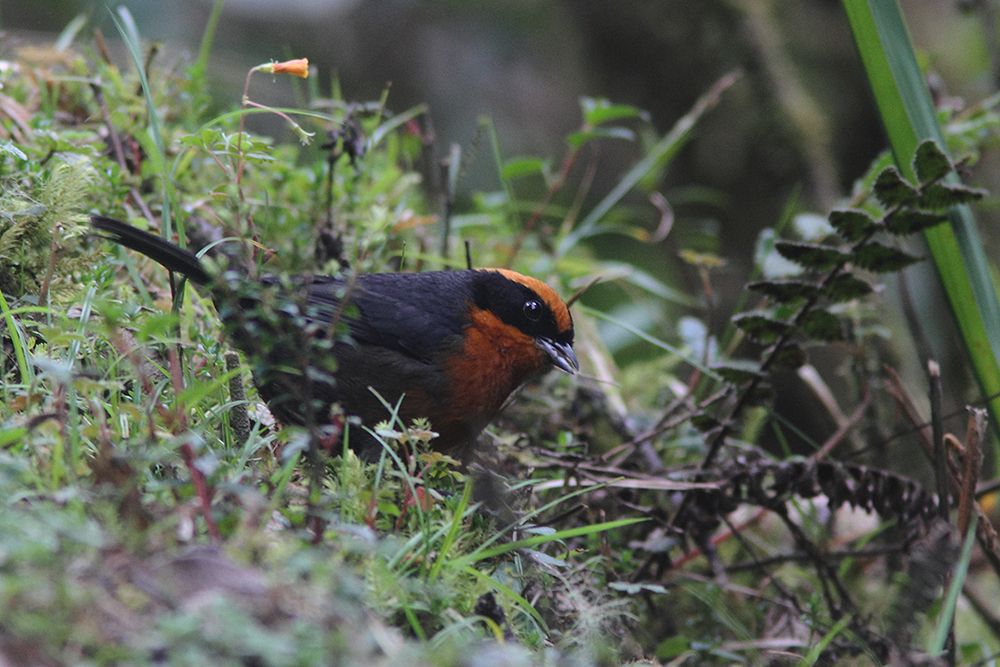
(416, 314)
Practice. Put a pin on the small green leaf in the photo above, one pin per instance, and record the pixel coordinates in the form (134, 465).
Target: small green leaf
(882, 259)
(388, 508)
(940, 196)
(599, 110)
(846, 287)
(739, 371)
(852, 224)
(908, 221)
(811, 255)
(930, 163)
(11, 435)
(578, 139)
(822, 325)
(760, 326)
(523, 166)
(785, 290)
(673, 647)
(892, 190)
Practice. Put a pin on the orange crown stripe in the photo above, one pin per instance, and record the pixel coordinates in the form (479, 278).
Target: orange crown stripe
(563, 319)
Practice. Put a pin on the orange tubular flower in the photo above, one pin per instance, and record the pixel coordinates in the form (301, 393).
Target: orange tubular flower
(298, 67)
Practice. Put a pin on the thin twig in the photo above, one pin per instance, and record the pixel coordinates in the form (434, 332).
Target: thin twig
(718, 539)
(448, 166)
(986, 534)
(845, 427)
(580, 292)
(972, 460)
(800, 556)
(117, 149)
(937, 438)
(670, 419)
(910, 430)
(102, 46)
(557, 184)
(773, 581)
(987, 488)
(827, 574)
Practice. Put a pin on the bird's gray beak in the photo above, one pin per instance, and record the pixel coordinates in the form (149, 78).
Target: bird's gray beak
(560, 354)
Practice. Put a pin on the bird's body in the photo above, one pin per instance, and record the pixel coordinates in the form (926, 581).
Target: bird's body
(452, 344)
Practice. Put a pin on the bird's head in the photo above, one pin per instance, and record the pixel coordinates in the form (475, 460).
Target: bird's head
(533, 309)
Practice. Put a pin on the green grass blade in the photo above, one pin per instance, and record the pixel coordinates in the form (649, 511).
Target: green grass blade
(816, 652)
(510, 594)
(69, 33)
(483, 554)
(18, 343)
(207, 39)
(449, 540)
(943, 628)
(130, 34)
(194, 394)
(956, 249)
(394, 123)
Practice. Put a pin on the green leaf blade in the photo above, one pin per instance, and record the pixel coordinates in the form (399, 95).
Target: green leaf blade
(761, 326)
(940, 196)
(908, 221)
(784, 291)
(822, 325)
(930, 163)
(852, 224)
(847, 287)
(892, 190)
(882, 258)
(811, 255)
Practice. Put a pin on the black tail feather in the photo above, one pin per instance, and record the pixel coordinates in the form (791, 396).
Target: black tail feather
(171, 256)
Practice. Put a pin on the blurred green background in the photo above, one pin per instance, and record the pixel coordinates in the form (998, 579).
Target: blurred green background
(800, 118)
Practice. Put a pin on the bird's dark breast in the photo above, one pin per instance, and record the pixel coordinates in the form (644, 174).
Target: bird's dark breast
(393, 336)
(368, 378)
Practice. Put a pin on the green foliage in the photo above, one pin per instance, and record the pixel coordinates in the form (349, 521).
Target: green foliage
(906, 210)
(852, 224)
(811, 255)
(910, 120)
(892, 190)
(846, 287)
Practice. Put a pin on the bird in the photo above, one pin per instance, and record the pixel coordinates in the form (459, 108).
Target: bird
(450, 346)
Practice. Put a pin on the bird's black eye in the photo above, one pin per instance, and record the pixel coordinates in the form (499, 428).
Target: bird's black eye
(532, 310)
